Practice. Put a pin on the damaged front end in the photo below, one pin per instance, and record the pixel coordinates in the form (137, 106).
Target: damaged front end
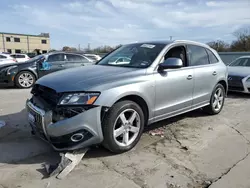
(68, 121)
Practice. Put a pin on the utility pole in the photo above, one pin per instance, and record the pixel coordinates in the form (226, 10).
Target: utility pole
(170, 37)
(79, 47)
(28, 44)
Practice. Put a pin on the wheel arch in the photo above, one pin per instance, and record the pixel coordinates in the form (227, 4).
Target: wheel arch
(224, 84)
(140, 101)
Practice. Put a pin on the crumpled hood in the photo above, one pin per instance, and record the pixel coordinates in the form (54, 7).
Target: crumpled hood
(85, 78)
(239, 71)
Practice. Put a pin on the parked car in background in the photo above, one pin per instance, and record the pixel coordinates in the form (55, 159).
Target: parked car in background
(93, 57)
(120, 60)
(239, 75)
(6, 59)
(24, 75)
(20, 57)
(110, 104)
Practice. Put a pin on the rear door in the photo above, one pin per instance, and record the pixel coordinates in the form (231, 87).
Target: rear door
(204, 73)
(74, 60)
(53, 63)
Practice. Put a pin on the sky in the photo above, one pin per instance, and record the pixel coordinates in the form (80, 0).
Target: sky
(113, 22)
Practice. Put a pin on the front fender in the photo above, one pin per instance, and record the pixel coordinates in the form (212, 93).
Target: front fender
(145, 91)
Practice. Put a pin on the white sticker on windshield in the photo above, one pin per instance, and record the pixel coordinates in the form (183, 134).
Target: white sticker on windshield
(148, 46)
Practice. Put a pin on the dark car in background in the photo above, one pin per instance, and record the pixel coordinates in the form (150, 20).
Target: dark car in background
(24, 75)
(239, 75)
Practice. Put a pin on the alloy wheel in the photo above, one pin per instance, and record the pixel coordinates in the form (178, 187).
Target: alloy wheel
(218, 99)
(126, 127)
(26, 80)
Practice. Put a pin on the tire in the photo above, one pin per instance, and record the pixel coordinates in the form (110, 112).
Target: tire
(28, 83)
(128, 132)
(211, 108)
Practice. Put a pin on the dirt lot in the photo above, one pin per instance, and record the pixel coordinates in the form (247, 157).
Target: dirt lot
(196, 151)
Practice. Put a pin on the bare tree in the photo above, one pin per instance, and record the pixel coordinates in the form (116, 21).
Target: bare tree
(243, 40)
(219, 45)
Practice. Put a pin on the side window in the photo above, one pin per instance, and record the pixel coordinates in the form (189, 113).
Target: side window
(56, 57)
(212, 58)
(13, 56)
(72, 57)
(177, 52)
(198, 55)
(20, 56)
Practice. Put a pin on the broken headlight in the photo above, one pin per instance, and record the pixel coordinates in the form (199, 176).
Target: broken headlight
(78, 98)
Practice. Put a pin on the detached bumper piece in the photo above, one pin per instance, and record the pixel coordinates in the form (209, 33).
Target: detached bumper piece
(67, 164)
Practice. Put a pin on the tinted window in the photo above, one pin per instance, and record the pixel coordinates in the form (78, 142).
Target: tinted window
(16, 39)
(17, 51)
(242, 62)
(56, 57)
(17, 56)
(2, 57)
(44, 41)
(197, 55)
(72, 57)
(8, 39)
(212, 57)
(9, 50)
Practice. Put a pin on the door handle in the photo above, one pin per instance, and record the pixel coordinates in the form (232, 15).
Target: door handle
(189, 77)
(214, 73)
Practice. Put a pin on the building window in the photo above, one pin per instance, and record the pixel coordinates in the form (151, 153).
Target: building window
(9, 51)
(17, 51)
(44, 41)
(7, 39)
(44, 51)
(16, 39)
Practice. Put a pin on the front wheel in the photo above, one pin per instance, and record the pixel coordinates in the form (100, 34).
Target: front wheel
(25, 79)
(123, 126)
(216, 101)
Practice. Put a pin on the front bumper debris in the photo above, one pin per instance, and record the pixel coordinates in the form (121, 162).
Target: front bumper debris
(67, 164)
(86, 126)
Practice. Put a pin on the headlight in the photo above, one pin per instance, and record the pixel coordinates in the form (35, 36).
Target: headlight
(78, 98)
(8, 69)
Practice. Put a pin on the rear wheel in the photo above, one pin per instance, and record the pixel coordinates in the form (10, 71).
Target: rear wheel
(123, 126)
(216, 101)
(25, 79)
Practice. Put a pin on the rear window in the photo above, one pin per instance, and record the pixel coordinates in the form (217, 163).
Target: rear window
(212, 58)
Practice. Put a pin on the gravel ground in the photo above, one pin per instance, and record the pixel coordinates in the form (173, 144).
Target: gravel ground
(192, 150)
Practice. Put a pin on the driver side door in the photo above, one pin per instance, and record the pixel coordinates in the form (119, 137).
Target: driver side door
(174, 87)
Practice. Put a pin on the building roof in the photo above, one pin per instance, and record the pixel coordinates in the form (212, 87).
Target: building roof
(46, 35)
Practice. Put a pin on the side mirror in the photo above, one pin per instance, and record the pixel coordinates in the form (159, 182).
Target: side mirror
(171, 63)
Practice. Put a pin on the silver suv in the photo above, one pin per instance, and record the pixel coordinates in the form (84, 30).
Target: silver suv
(110, 103)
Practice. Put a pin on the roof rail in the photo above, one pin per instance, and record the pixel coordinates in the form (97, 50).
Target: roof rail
(193, 42)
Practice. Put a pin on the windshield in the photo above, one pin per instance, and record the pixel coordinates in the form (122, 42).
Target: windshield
(133, 55)
(242, 62)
